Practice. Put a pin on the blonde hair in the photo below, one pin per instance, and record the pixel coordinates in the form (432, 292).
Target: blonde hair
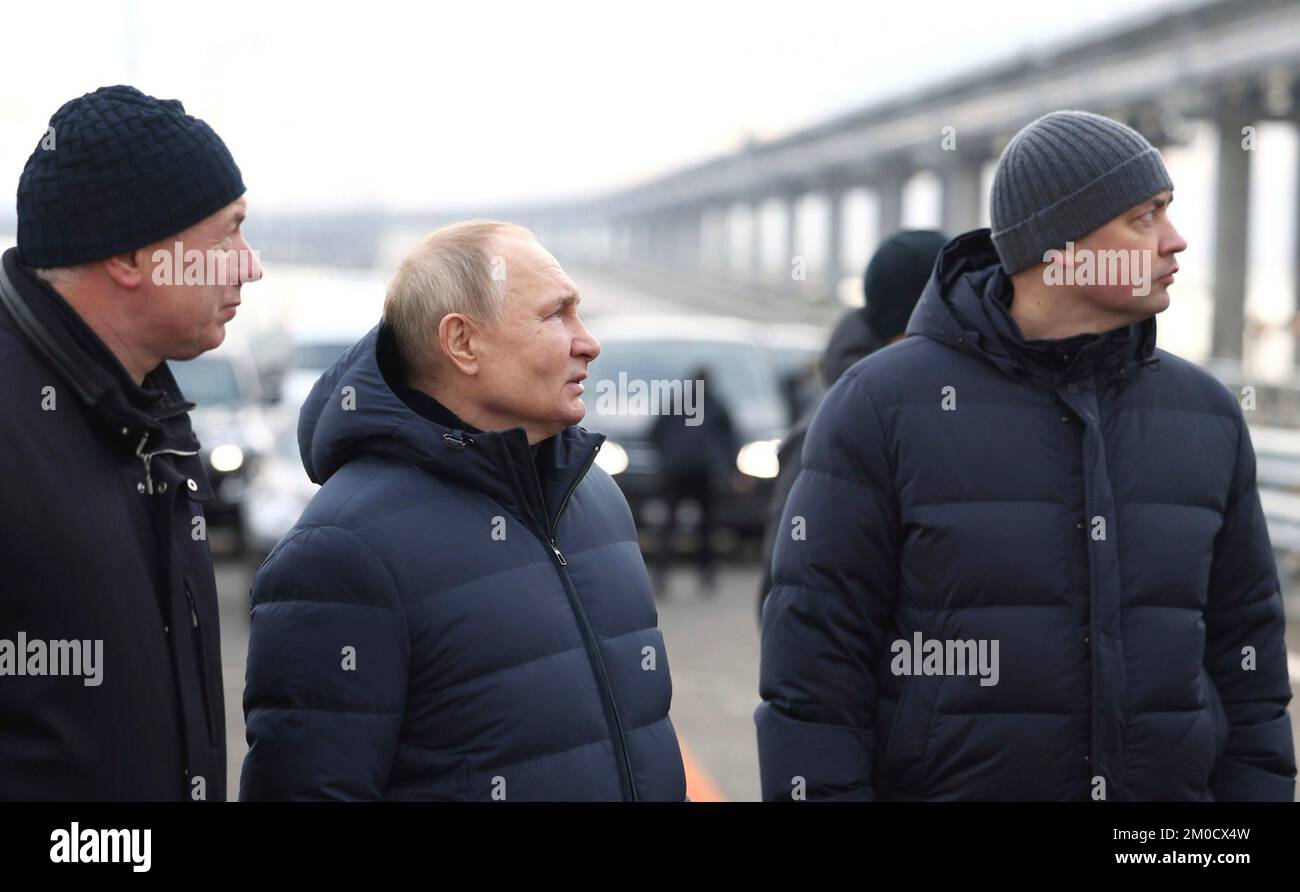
(452, 270)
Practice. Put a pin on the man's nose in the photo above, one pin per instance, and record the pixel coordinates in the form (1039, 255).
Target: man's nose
(250, 266)
(1173, 242)
(585, 343)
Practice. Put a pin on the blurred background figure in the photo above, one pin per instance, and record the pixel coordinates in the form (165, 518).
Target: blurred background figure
(696, 452)
(892, 284)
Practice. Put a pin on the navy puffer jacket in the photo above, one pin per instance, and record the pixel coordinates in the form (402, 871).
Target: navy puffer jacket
(450, 620)
(1087, 503)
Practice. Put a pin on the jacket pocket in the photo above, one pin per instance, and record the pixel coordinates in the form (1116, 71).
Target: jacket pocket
(907, 753)
(1218, 715)
(900, 712)
(429, 775)
(196, 631)
(909, 738)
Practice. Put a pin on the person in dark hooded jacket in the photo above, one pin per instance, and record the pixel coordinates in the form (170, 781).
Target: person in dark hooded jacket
(462, 611)
(104, 543)
(1034, 563)
(891, 286)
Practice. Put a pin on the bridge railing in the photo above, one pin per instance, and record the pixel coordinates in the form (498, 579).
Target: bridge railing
(1277, 472)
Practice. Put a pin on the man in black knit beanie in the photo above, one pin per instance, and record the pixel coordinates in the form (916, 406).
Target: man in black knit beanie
(130, 253)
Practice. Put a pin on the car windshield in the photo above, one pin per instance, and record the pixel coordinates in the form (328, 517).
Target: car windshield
(736, 370)
(739, 377)
(286, 447)
(208, 381)
(319, 355)
(794, 360)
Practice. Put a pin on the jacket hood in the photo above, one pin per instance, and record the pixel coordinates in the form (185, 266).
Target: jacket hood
(850, 340)
(353, 411)
(966, 305)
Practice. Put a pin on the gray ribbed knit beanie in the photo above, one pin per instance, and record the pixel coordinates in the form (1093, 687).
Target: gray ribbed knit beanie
(1063, 176)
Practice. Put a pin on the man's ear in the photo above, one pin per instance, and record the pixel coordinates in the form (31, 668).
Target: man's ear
(126, 269)
(457, 335)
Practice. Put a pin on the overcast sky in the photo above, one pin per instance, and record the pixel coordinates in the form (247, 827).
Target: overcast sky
(401, 105)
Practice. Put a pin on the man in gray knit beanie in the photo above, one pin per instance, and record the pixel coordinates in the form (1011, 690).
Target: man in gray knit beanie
(1078, 212)
(1026, 479)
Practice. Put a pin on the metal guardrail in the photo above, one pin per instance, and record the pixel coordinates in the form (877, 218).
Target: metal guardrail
(1267, 403)
(1273, 408)
(1277, 473)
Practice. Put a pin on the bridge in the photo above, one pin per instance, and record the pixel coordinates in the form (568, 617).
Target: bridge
(698, 230)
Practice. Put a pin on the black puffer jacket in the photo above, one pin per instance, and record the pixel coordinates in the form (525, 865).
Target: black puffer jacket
(1090, 505)
(454, 617)
(850, 340)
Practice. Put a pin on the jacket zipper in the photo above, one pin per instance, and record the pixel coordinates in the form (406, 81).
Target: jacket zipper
(199, 656)
(194, 615)
(589, 640)
(147, 459)
(1093, 643)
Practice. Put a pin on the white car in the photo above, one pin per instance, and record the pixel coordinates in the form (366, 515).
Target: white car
(232, 423)
(277, 494)
(327, 315)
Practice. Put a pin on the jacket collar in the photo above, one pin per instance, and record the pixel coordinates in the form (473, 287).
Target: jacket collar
(149, 418)
(966, 305)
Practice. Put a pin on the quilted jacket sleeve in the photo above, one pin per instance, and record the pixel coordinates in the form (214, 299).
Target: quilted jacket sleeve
(835, 581)
(325, 688)
(1244, 610)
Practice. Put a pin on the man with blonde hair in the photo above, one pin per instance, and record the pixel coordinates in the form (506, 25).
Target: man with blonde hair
(462, 612)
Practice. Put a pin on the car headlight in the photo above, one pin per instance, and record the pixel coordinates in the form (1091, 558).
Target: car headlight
(226, 458)
(758, 459)
(612, 458)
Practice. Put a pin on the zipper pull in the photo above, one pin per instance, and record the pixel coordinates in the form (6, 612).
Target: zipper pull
(194, 616)
(558, 556)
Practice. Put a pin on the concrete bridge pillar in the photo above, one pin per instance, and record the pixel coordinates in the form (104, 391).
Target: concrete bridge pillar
(834, 239)
(961, 196)
(756, 237)
(889, 196)
(791, 199)
(1230, 245)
